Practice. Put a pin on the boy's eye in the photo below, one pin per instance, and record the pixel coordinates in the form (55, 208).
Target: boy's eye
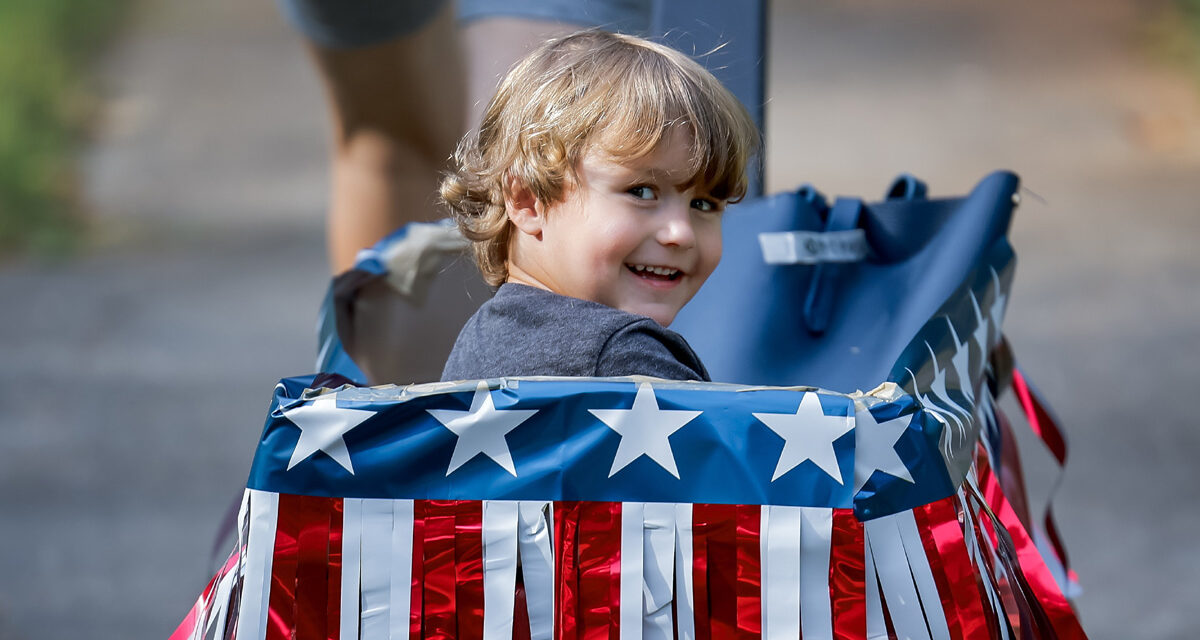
(641, 193)
(702, 204)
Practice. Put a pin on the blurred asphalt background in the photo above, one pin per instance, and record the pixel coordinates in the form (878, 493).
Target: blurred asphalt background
(135, 376)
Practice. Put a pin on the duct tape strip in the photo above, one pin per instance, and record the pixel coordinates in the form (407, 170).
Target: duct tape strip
(260, 547)
(781, 571)
(537, 566)
(400, 588)
(813, 247)
(500, 519)
(632, 580)
(351, 564)
(658, 552)
(816, 611)
(685, 608)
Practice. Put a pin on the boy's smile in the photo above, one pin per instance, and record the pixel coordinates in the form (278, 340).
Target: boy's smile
(627, 235)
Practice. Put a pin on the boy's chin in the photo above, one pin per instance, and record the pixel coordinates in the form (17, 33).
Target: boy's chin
(660, 314)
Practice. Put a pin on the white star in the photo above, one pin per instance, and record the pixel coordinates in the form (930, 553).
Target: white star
(644, 430)
(322, 425)
(875, 447)
(481, 429)
(807, 435)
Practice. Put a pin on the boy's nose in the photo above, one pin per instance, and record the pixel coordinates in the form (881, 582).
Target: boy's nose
(676, 230)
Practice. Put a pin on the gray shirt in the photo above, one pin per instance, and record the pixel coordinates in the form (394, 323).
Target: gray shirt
(526, 331)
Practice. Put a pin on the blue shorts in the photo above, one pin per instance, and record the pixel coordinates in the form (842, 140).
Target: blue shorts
(359, 23)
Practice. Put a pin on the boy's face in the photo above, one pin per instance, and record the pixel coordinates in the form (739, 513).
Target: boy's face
(627, 235)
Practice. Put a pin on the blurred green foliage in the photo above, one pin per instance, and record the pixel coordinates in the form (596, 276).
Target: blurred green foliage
(1179, 39)
(45, 107)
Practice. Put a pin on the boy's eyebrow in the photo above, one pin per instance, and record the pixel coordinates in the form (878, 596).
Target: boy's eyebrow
(655, 173)
(659, 175)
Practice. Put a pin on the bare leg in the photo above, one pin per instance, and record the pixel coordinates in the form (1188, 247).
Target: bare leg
(398, 110)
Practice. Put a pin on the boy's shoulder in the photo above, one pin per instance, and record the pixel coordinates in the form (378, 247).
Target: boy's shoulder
(526, 331)
(546, 312)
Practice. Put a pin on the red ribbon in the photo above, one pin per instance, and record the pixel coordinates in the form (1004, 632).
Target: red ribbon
(847, 577)
(1040, 420)
(1012, 476)
(749, 572)
(1049, 607)
(958, 583)
(468, 554)
(566, 586)
(599, 555)
(715, 525)
(440, 621)
(1013, 609)
(312, 568)
(521, 629)
(282, 608)
(1042, 423)
(305, 568)
(198, 614)
(333, 605)
(700, 595)
(416, 612)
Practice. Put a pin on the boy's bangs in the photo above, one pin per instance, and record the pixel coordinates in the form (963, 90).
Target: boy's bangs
(655, 100)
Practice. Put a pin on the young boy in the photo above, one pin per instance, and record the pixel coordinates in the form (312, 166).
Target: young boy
(592, 193)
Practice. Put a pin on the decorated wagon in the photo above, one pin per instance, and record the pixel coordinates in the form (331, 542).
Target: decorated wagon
(637, 508)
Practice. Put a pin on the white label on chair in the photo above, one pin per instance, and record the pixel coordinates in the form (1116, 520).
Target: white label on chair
(813, 247)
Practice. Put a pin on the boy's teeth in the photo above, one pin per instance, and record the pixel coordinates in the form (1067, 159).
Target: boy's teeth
(660, 271)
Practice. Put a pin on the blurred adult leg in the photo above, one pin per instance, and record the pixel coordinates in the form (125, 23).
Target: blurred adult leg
(400, 94)
(397, 109)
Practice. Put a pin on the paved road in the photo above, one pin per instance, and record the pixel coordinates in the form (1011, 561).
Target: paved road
(136, 375)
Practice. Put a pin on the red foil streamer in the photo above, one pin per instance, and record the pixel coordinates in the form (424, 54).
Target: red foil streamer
(700, 597)
(1046, 427)
(202, 606)
(333, 603)
(440, 621)
(994, 570)
(1040, 420)
(281, 616)
(749, 572)
(312, 569)
(566, 584)
(521, 629)
(468, 552)
(848, 577)
(953, 571)
(1048, 606)
(969, 521)
(1012, 476)
(716, 525)
(416, 618)
(926, 524)
(981, 566)
(599, 556)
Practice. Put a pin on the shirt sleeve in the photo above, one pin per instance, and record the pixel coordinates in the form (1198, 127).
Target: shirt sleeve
(645, 348)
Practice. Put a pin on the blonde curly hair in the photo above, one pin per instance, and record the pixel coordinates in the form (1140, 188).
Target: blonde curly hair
(592, 88)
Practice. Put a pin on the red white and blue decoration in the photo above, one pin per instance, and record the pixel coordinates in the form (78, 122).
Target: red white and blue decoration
(644, 509)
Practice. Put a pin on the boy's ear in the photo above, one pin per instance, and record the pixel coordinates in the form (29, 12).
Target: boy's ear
(523, 208)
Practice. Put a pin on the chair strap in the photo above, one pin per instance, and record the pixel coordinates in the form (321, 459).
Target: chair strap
(818, 305)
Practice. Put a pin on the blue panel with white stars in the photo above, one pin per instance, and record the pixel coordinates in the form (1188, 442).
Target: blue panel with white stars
(582, 439)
